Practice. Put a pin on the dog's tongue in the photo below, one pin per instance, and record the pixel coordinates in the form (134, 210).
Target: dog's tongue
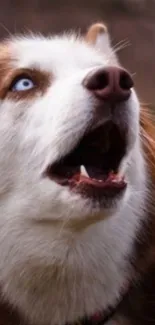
(110, 180)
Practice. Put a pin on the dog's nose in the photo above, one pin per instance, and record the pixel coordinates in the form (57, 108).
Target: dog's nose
(111, 84)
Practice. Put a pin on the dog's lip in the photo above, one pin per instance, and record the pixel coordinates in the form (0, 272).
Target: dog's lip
(112, 180)
(111, 188)
(112, 185)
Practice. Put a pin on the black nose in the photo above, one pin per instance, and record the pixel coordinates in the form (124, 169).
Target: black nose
(112, 84)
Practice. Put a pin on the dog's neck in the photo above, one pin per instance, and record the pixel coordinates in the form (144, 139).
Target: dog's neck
(88, 282)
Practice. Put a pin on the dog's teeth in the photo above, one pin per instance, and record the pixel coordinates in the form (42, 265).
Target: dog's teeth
(83, 171)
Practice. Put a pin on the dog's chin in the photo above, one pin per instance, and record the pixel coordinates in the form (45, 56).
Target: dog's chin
(83, 210)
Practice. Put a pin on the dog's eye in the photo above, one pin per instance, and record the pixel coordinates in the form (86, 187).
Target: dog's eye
(22, 84)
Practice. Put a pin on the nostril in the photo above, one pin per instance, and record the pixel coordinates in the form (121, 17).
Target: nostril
(97, 81)
(102, 80)
(125, 82)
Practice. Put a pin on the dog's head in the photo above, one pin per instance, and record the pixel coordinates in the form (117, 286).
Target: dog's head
(69, 132)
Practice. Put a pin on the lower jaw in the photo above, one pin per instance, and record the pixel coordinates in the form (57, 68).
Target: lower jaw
(105, 197)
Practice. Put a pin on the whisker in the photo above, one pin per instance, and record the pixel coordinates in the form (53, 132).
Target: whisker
(121, 42)
(66, 221)
(6, 29)
(121, 46)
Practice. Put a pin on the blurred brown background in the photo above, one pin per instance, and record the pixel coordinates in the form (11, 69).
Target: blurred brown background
(132, 20)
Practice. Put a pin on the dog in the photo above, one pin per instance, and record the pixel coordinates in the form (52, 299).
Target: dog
(77, 169)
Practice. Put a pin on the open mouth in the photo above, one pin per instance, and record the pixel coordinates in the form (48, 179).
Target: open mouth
(92, 166)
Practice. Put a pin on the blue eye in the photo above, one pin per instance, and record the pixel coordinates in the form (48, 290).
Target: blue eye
(23, 84)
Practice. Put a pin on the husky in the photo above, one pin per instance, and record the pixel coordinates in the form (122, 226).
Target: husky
(77, 172)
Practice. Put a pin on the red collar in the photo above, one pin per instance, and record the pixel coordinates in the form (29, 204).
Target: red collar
(99, 318)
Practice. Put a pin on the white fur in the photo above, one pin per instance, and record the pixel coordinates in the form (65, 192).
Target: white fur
(52, 271)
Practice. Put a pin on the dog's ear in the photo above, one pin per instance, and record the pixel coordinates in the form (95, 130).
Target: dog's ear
(98, 36)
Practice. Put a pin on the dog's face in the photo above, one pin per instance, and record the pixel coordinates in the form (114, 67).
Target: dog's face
(55, 129)
(70, 157)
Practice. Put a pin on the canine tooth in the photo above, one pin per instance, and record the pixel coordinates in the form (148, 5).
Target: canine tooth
(83, 171)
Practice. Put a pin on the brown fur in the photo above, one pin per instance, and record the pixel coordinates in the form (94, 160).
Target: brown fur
(9, 74)
(93, 31)
(147, 122)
